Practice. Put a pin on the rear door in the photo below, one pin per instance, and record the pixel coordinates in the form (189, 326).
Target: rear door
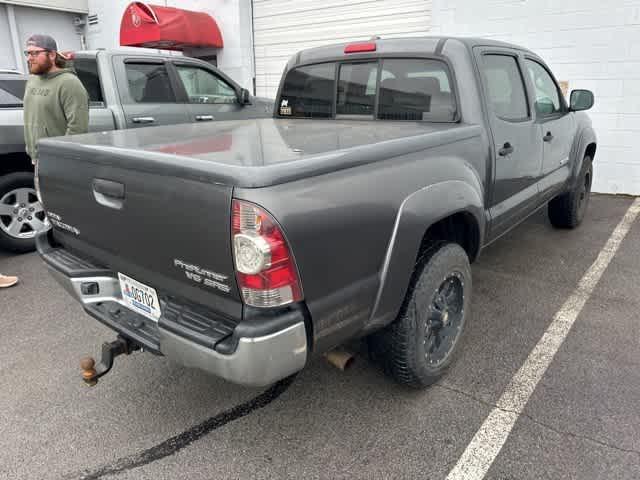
(148, 92)
(558, 127)
(208, 94)
(517, 147)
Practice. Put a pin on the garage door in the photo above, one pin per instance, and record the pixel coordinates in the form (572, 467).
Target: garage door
(282, 27)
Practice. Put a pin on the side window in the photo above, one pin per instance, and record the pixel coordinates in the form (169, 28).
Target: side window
(87, 71)
(308, 92)
(505, 87)
(203, 86)
(414, 89)
(11, 92)
(546, 90)
(357, 89)
(149, 83)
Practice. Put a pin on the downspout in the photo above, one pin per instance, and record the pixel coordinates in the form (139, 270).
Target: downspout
(13, 29)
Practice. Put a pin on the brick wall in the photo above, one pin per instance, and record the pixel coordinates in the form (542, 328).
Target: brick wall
(591, 44)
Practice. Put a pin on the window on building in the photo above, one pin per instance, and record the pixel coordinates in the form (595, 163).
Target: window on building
(546, 90)
(357, 89)
(415, 89)
(505, 87)
(149, 83)
(308, 92)
(203, 86)
(87, 71)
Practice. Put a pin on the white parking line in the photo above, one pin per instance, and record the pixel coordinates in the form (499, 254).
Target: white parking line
(489, 440)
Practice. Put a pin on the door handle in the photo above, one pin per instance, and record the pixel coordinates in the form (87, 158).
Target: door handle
(204, 118)
(143, 119)
(108, 193)
(507, 149)
(548, 137)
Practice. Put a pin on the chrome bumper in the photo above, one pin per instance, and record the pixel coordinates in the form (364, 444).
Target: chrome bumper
(258, 361)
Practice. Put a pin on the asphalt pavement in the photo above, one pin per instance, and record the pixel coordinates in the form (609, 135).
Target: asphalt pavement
(152, 419)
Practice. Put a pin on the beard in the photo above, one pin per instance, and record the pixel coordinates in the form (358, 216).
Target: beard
(42, 67)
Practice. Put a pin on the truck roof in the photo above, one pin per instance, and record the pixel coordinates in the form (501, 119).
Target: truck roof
(121, 51)
(405, 45)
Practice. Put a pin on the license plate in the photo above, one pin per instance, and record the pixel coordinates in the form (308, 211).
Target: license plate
(139, 297)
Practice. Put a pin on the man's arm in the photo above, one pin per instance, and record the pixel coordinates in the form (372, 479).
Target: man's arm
(75, 103)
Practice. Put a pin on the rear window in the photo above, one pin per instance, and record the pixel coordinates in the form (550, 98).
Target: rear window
(412, 89)
(308, 92)
(149, 83)
(390, 89)
(87, 71)
(357, 89)
(12, 92)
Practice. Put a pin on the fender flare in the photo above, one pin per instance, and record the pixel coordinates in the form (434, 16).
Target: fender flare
(418, 212)
(586, 137)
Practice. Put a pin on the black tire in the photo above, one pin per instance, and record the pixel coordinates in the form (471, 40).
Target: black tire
(407, 347)
(568, 210)
(10, 183)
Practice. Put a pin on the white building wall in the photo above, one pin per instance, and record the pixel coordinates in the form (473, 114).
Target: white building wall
(283, 27)
(589, 43)
(79, 6)
(17, 23)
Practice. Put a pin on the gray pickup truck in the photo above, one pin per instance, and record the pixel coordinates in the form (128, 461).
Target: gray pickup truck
(245, 247)
(126, 90)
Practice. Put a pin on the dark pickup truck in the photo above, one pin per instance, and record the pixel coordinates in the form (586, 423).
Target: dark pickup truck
(245, 247)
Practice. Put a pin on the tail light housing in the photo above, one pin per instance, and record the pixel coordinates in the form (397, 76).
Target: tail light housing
(265, 267)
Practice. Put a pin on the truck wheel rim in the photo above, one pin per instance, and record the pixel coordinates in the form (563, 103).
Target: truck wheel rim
(21, 214)
(445, 319)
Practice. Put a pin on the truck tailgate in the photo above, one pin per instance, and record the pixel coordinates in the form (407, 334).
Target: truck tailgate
(167, 231)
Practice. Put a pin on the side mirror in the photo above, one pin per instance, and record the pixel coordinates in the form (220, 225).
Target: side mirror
(581, 100)
(245, 97)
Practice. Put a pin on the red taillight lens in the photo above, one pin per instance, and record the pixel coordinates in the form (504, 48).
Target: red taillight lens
(360, 47)
(265, 267)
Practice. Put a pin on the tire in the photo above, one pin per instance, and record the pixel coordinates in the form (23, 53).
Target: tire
(21, 215)
(568, 210)
(418, 347)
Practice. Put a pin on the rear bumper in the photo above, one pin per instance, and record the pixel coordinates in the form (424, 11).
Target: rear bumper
(250, 356)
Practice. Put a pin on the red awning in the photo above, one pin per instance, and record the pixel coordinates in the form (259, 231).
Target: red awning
(167, 28)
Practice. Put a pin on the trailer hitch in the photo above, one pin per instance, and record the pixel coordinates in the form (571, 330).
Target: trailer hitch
(110, 351)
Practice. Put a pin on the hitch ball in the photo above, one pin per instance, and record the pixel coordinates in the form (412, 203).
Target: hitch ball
(87, 365)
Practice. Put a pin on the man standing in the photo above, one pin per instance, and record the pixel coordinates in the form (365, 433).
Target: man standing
(55, 101)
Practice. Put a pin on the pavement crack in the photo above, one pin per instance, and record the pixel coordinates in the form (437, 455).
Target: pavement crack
(538, 422)
(180, 441)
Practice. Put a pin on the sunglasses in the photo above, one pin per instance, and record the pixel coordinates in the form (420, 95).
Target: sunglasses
(34, 53)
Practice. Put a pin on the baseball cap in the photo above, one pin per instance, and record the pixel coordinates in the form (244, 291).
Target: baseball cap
(46, 42)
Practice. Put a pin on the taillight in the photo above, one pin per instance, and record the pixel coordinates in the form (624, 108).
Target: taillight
(265, 268)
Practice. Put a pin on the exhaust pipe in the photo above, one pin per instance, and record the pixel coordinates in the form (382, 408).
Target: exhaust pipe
(341, 359)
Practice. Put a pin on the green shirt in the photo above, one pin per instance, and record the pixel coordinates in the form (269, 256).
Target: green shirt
(55, 104)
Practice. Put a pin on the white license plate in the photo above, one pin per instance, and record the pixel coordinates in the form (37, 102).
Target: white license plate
(139, 297)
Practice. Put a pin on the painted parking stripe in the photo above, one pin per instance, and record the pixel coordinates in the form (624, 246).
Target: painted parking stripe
(490, 438)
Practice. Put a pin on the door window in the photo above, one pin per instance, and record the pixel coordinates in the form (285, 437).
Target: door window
(149, 83)
(546, 90)
(505, 87)
(203, 86)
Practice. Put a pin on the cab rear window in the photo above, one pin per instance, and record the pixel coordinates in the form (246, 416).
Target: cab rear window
(409, 89)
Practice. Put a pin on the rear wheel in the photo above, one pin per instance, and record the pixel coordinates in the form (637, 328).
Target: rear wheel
(21, 214)
(418, 347)
(568, 210)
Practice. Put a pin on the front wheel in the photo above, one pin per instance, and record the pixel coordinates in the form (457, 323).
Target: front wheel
(418, 347)
(21, 214)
